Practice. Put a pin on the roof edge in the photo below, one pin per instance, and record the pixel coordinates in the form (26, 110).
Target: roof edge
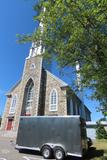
(58, 79)
(16, 84)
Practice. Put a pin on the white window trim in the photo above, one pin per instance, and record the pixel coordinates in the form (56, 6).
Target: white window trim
(12, 112)
(28, 108)
(50, 105)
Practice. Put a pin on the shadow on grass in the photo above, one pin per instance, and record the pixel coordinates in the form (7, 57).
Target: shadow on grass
(93, 153)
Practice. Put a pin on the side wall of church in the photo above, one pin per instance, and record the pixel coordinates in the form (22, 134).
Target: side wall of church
(7, 114)
(51, 84)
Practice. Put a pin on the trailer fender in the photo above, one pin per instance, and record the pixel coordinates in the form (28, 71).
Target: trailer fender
(52, 145)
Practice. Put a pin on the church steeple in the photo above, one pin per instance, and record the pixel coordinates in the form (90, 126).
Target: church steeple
(35, 48)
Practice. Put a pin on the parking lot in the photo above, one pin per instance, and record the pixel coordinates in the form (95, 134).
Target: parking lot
(8, 151)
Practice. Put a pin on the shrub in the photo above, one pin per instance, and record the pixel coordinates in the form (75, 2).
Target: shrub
(100, 131)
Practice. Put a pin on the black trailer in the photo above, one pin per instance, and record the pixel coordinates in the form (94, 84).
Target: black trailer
(53, 135)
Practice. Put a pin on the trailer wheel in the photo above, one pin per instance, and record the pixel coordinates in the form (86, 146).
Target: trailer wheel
(46, 152)
(59, 153)
(20, 151)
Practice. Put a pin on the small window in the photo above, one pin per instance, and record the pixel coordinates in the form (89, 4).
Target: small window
(13, 104)
(53, 100)
(32, 66)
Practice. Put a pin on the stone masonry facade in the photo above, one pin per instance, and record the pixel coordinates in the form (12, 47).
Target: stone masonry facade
(43, 83)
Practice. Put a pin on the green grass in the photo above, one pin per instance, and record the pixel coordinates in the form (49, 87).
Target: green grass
(98, 151)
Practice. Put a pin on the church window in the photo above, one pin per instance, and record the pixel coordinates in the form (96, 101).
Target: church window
(13, 104)
(53, 100)
(29, 96)
(71, 107)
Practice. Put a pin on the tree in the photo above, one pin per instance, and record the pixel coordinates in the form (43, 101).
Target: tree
(76, 30)
(100, 131)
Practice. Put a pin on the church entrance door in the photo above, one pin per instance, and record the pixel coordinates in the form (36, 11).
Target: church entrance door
(9, 124)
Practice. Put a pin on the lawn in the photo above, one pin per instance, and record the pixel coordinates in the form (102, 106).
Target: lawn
(98, 150)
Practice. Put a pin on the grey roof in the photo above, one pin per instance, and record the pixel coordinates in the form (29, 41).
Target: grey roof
(63, 84)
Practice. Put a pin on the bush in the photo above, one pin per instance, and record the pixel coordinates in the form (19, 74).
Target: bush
(100, 131)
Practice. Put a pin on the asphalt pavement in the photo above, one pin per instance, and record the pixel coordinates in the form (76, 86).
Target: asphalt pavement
(8, 151)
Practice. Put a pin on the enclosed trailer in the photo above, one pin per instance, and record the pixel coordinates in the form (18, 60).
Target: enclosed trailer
(53, 135)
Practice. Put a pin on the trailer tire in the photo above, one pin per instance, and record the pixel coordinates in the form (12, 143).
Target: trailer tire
(46, 152)
(20, 151)
(59, 153)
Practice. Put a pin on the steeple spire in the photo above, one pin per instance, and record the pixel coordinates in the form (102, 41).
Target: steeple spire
(35, 49)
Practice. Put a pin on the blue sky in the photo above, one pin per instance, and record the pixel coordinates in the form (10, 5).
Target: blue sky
(16, 17)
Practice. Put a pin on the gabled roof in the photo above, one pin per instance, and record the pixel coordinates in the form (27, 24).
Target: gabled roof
(17, 83)
(63, 84)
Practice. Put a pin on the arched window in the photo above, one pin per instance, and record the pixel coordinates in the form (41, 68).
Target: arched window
(53, 100)
(13, 104)
(29, 96)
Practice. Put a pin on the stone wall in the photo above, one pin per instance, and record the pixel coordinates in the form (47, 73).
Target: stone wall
(32, 70)
(44, 82)
(51, 84)
(6, 115)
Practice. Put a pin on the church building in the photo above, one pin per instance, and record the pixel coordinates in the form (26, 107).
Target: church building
(40, 93)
